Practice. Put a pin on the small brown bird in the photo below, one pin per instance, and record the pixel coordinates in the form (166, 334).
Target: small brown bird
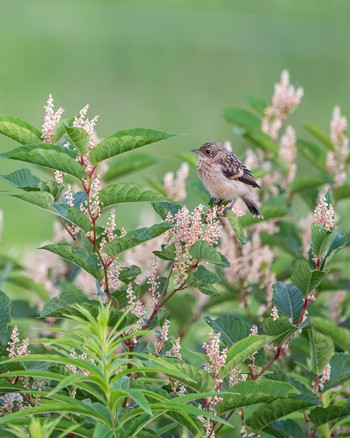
(225, 177)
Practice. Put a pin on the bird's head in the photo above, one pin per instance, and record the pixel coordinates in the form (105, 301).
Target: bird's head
(210, 150)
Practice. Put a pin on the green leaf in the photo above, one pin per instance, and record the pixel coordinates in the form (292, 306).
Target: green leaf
(64, 304)
(272, 209)
(127, 192)
(134, 238)
(341, 192)
(304, 183)
(279, 329)
(313, 153)
(337, 242)
(320, 134)
(340, 335)
(23, 179)
(48, 155)
(305, 279)
(270, 412)
(242, 117)
(167, 253)
(251, 392)
(321, 350)
(340, 370)
(256, 103)
(263, 141)
(5, 312)
(129, 273)
(288, 300)
(78, 138)
(39, 199)
(197, 379)
(127, 164)
(123, 141)
(80, 257)
(202, 251)
(29, 285)
(244, 348)
(19, 130)
(202, 279)
(285, 429)
(71, 214)
(320, 416)
(320, 239)
(232, 328)
(236, 226)
(164, 207)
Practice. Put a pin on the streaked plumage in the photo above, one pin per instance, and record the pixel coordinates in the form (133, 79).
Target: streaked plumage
(225, 176)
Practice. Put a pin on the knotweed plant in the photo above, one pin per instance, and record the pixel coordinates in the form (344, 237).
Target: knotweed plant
(115, 345)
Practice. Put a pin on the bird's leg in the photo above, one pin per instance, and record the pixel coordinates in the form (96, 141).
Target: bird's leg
(218, 201)
(230, 207)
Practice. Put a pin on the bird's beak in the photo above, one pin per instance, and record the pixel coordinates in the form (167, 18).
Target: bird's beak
(196, 151)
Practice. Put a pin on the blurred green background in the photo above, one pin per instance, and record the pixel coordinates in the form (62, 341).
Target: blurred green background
(171, 65)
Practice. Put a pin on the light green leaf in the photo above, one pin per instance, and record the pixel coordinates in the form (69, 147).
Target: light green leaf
(341, 192)
(80, 257)
(134, 238)
(48, 155)
(320, 416)
(340, 335)
(5, 312)
(127, 164)
(320, 239)
(19, 130)
(275, 410)
(39, 199)
(202, 251)
(321, 350)
(123, 141)
(195, 378)
(164, 207)
(236, 226)
(304, 183)
(256, 103)
(288, 300)
(305, 279)
(23, 179)
(127, 192)
(232, 328)
(313, 153)
(78, 138)
(251, 392)
(167, 253)
(262, 140)
(320, 134)
(279, 329)
(243, 118)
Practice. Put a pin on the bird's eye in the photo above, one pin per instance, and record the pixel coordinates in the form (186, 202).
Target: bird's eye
(207, 151)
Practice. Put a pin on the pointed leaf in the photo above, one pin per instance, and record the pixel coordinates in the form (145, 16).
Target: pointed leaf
(201, 251)
(164, 207)
(320, 416)
(19, 132)
(127, 192)
(321, 240)
(321, 351)
(340, 370)
(78, 138)
(270, 412)
(134, 238)
(232, 328)
(336, 244)
(22, 178)
(47, 155)
(305, 279)
(123, 141)
(236, 226)
(127, 164)
(279, 329)
(242, 117)
(197, 379)
(288, 300)
(5, 312)
(89, 262)
(39, 199)
(340, 335)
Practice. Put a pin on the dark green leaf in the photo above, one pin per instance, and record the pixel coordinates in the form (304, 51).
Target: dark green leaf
(320, 134)
(280, 329)
(129, 273)
(5, 312)
(236, 226)
(285, 429)
(203, 279)
(78, 138)
(340, 335)
(340, 370)
(134, 238)
(164, 207)
(89, 262)
(321, 350)
(202, 251)
(64, 304)
(313, 153)
(337, 243)
(321, 240)
(167, 253)
(127, 164)
(232, 328)
(305, 279)
(193, 377)
(288, 300)
(48, 155)
(127, 192)
(270, 412)
(123, 141)
(23, 179)
(320, 416)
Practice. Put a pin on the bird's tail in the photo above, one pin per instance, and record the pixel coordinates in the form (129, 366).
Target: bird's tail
(252, 207)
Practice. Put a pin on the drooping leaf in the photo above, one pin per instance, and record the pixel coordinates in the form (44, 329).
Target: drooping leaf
(275, 410)
(89, 262)
(202, 251)
(340, 370)
(19, 130)
(337, 242)
(320, 416)
(39, 199)
(305, 279)
(232, 328)
(23, 179)
(78, 138)
(288, 300)
(127, 164)
(134, 238)
(236, 226)
(321, 350)
(123, 141)
(313, 153)
(5, 312)
(339, 335)
(48, 155)
(127, 192)
(164, 207)
(252, 392)
(320, 134)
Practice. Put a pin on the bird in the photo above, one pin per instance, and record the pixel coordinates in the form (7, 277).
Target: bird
(225, 176)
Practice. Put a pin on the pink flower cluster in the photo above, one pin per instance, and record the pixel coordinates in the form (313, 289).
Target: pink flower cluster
(51, 120)
(175, 185)
(14, 349)
(324, 214)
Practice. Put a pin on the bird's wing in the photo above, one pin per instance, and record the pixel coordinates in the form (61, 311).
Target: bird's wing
(235, 170)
